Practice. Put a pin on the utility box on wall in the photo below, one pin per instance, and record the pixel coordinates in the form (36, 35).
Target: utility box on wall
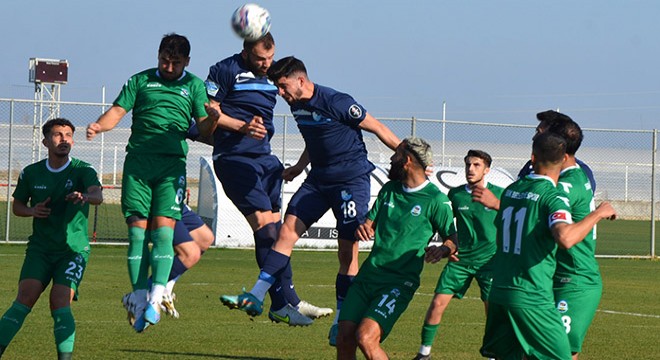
(48, 71)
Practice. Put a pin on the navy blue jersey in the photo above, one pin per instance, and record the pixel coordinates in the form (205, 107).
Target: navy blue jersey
(527, 169)
(241, 95)
(329, 124)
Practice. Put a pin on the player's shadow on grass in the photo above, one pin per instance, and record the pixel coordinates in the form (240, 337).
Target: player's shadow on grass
(185, 355)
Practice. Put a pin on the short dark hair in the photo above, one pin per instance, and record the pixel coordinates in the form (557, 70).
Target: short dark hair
(479, 154)
(570, 131)
(548, 117)
(48, 126)
(285, 67)
(548, 148)
(267, 40)
(174, 45)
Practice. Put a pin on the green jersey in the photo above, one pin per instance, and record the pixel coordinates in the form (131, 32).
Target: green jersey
(475, 224)
(65, 228)
(577, 266)
(162, 111)
(405, 220)
(525, 259)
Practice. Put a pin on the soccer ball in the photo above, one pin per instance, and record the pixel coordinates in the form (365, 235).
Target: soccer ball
(251, 22)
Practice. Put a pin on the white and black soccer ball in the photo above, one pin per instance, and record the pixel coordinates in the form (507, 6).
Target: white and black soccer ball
(251, 22)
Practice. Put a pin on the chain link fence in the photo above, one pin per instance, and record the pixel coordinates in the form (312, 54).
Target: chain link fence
(623, 161)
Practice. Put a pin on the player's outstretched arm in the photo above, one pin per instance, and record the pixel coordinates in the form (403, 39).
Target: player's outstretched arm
(372, 125)
(106, 122)
(291, 172)
(567, 235)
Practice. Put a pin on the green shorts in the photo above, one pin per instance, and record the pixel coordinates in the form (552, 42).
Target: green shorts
(537, 333)
(577, 308)
(62, 268)
(153, 185)
(383, 303)
(456, 278)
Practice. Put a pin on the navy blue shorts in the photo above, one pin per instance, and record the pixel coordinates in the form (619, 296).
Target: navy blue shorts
(348, 200)
(189, 222)
(251, 183)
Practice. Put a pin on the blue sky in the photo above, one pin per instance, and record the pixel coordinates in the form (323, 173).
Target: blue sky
(490, 61)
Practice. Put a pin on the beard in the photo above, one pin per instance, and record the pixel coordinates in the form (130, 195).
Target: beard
(396, 172)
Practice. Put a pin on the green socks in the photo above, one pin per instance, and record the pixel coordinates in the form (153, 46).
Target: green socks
(162, 254)
(428, 333)
(64, 329)
(11, 323)
(138, 257)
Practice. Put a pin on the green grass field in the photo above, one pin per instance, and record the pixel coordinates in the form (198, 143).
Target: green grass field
(626, 326)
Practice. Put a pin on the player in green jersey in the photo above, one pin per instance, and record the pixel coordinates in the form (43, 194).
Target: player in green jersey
(56, 192)
(577, 282)
(408, 212)
(476, 228)
(534, 219)
(163, 100)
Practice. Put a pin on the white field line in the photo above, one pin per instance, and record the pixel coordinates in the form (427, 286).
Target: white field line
(612, 312)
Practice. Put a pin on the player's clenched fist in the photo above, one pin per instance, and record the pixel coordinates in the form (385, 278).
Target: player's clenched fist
(93, 129)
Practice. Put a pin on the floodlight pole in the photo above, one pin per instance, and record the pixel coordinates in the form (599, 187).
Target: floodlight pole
(47, 75)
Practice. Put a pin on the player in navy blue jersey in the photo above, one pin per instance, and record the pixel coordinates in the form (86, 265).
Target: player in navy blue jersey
(331, 124)
(250, 175)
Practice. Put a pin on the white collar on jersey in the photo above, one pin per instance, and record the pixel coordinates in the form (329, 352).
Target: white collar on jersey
(417, 188)
(536, 176)
(68, 161)
(576, 166)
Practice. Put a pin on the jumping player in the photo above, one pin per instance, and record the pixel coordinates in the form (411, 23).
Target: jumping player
(250, 174)
(162, 101)
(331, 124)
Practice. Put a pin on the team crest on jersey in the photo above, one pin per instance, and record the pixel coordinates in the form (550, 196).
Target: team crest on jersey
(345, 195)
(182, 181)
(184, 92)
(319, 118)
(416, 210)
(69, 184)
(211, 87)
(562, 306)
(355, 111)
(79, 259)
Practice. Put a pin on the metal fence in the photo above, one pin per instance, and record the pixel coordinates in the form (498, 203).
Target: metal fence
(623, 161)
